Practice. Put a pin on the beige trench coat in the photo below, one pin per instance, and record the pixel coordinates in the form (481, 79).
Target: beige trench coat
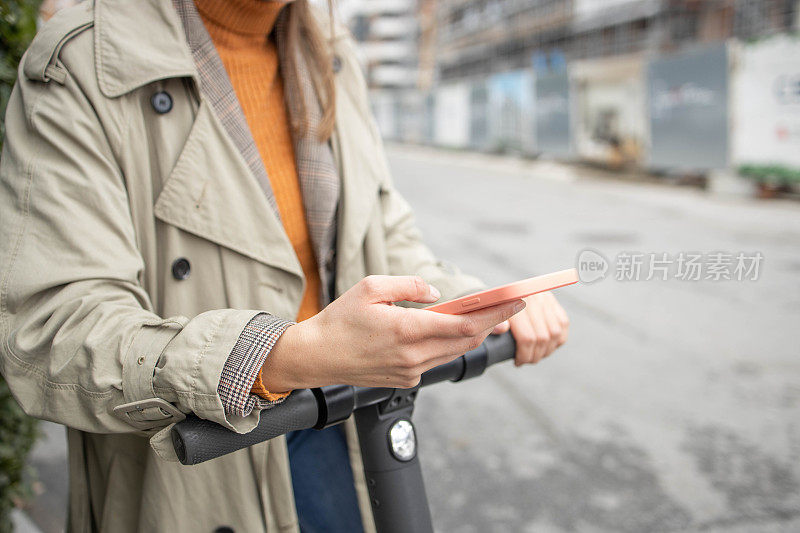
(98, 196)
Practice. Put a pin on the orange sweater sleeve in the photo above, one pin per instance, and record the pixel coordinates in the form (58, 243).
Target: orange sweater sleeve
(258, 388)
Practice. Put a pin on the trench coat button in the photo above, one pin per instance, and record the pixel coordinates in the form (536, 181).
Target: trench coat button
(181, 268)
(224, 529)
(337, 64)
(161, 102)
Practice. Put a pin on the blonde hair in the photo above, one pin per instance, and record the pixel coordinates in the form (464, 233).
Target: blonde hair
(304, 34)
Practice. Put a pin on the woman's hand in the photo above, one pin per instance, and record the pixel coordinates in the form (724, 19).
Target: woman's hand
(361, 339)
(543, 327)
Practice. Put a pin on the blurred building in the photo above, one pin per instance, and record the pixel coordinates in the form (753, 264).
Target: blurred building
(483, 36)
(398, 49)
(397, 39)
(669, 85)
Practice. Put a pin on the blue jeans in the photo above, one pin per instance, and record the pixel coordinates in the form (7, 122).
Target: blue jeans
(324, 493)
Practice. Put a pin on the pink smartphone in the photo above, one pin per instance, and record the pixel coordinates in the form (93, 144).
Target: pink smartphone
(507, 293)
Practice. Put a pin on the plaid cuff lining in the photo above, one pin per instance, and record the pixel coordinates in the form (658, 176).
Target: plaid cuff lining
(244, 363)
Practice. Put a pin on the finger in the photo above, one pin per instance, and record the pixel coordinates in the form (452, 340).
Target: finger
(445, 350)
(445, 354)
(560, 313)
(433, 352)
(555, 306)
(558, 328)
(525, 338)
(433, 324)
(554, 327)
(501, 328)
(563, 319)
(474, 323)
(541, 330)
(388, 289)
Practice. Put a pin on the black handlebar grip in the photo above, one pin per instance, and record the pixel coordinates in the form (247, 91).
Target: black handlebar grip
(499, 348)
(197, 440)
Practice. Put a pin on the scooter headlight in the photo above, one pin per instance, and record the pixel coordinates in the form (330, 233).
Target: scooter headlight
(403, 440)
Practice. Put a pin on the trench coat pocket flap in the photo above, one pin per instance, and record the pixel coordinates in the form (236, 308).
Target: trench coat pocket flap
(212, 193)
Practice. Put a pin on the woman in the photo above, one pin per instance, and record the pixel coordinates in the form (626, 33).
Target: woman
(179, 184)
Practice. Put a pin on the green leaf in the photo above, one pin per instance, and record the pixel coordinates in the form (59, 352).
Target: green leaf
(17, 430)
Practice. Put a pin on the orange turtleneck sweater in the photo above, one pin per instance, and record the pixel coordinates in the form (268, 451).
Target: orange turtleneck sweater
(240, 30)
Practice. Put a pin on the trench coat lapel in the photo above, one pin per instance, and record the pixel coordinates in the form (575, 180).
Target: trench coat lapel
(218, 188)
(210, 192)
(218, 91)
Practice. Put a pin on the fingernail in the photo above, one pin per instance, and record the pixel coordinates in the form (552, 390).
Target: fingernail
(435, 292)
(519, 307)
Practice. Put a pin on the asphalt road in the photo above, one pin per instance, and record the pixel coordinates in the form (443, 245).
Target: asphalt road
(674, 406)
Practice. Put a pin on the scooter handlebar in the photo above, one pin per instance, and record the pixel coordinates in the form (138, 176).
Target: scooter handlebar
(197, 440)
(499, 348)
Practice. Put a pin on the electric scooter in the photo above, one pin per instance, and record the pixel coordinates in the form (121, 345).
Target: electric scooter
(386, 433)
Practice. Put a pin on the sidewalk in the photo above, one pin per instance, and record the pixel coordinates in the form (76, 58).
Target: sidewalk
(722, 182)
(47, 511)
(22, 523)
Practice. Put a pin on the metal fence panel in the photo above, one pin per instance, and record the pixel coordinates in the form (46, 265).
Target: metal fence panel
(552, 114)
(688, 105)
(479, 115)
(610, 125)
(452, 115)
(766, 103)
(510, 101)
